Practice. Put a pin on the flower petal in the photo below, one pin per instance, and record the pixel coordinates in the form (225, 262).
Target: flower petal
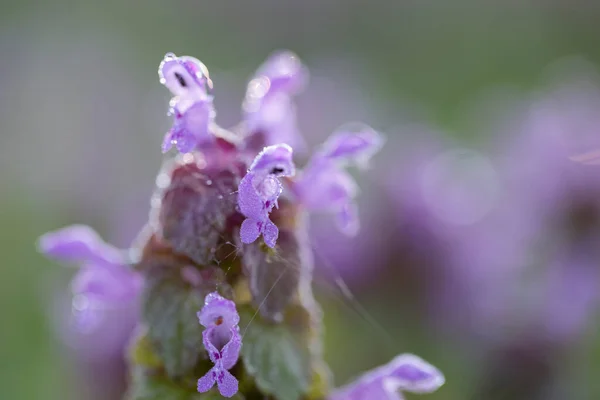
(208, 380)
(218, 310)
(270, 233)
(78, 243)
(249, 201)
(228, 384)
(285, 72)
(411, 373)
(231, 351)
(352, 143)
(274, 160)
(249, 230)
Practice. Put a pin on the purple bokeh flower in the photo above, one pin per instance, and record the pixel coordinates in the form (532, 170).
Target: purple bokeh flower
(192, 107)
(103, 282)
(405, 372)
(269, 110)
(324, 185)
(259, 191)
(222, 340)
(103, 275)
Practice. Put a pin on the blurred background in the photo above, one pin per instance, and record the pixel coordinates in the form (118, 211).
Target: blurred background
(480, 239)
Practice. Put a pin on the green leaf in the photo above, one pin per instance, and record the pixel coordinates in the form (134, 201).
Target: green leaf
(169, 311)
(275, 356)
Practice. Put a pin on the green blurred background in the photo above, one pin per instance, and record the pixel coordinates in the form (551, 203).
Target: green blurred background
(82, 115)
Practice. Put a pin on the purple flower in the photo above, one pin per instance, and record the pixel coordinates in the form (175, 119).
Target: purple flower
(406, 372)
(259, 191)
(223, 342)
(268, 106)
(103, 281)
(325, 186)
(192, 107)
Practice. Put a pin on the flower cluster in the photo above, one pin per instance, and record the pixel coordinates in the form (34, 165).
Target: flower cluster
(196, 211)
(222, 340)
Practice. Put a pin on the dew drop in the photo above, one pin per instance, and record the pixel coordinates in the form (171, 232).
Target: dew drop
(188, 158)
(162, 180)
(208, 182)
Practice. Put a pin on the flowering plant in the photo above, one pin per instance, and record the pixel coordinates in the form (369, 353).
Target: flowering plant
(227, 240)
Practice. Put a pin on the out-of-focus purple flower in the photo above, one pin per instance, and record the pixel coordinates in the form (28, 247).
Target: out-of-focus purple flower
(102, 287)
(192, 107)
(268, 106)
(325, 186)
(406, 372)
(259, 191)
(102, 275)
(223, 342)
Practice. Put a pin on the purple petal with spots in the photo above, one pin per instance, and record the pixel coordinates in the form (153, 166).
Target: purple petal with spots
(218, 311)
(228, 384)
(207, 381)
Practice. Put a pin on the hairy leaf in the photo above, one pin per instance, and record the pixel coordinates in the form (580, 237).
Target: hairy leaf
(169, 310)
(277, 358)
